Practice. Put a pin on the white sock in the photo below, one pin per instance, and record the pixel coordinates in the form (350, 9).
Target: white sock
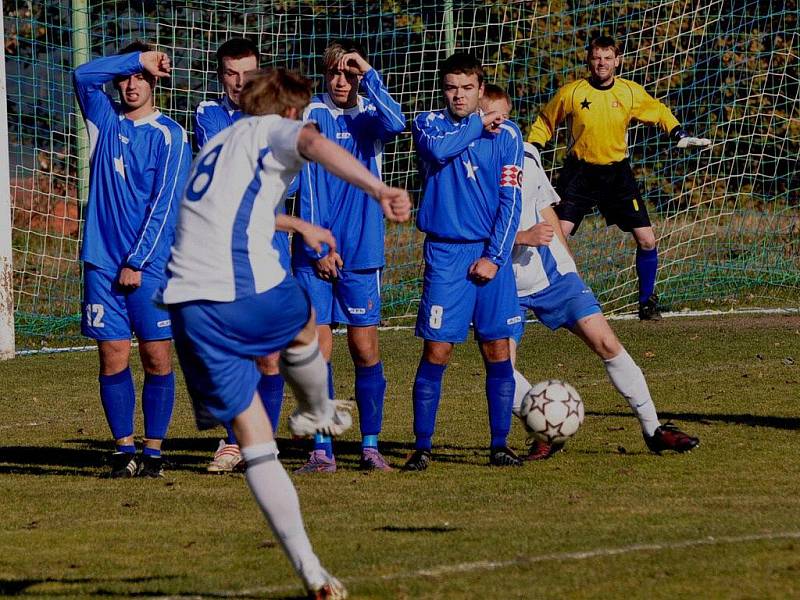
(275, 494)
(521, 387)
(307, 373)
(629, 380)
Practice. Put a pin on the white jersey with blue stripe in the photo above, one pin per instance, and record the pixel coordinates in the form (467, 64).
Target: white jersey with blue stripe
(537, 267)
(472, 181)
(223, 247)
(355, 220)
(211, 117)
(137, 173)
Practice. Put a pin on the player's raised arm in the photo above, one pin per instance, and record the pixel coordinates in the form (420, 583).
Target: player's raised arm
(90, 77)
(439, 145)
(395, 202)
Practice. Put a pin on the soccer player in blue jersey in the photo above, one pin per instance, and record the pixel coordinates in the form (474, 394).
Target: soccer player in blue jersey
(236, 58)
(139, 163)
(470, 210)
(548, 284)
(231, 300)
(344, 284)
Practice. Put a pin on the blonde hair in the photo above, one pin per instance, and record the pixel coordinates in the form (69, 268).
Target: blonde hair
(337, 49)
(272, 91)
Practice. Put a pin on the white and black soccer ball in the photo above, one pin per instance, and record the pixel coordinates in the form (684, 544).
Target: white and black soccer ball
(553, 411)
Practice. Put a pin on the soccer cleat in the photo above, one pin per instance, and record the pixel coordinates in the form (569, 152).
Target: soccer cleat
(418, 461)
(318, 462)
(372, 460)
(504, 457)
(227, 458)
(540, 450)
(152, 466)
(648, 311)
(332, 589)
(337, 421)
(124, 464)
(669, 437)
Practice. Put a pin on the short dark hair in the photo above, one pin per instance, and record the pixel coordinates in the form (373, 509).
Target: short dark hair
(272, 91)
(601, 42)
(492, 91)
(461, 63)
(237, 48)
(338, 48)
(137, 46)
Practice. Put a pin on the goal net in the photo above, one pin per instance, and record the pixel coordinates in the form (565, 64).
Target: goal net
(727, 218)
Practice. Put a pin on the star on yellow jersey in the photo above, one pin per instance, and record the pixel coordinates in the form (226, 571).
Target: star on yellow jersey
(598, 118)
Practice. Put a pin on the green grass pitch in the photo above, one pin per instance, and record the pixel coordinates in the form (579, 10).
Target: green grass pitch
(605, 519)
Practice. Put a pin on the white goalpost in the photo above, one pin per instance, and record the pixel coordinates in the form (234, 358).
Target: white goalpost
(7, 345)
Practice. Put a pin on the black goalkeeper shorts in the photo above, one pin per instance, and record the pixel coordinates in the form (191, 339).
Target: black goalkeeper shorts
(612, 188)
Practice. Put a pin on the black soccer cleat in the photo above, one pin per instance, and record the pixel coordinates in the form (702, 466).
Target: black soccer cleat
(648, 311)
(669, 437)
(504, 457)
(124, 464)
(418, 461)
(152, 466)
(540, 450)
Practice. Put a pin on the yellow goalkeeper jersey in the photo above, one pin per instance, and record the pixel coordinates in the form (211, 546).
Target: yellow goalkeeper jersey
(598, 119)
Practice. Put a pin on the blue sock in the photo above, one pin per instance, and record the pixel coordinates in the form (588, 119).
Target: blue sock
(230, 437)
(154, 452)
(331, 391)
(119, 401)
(370, 391)
(270, 388)
(500, 395)
(158, 399)
(127, 449)
(646, 267)
(325, 442)
(426, 395)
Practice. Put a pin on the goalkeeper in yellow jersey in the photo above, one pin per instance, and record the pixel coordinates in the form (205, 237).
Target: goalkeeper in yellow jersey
(598, 110)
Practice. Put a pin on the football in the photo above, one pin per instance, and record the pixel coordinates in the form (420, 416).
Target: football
(553, 411)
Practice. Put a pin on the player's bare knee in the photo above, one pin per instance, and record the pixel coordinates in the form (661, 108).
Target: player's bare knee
(114, 356)
(156, 357)
(437, 353)
(363, 345)
(496, 350)
(645, 238)
(269, 365)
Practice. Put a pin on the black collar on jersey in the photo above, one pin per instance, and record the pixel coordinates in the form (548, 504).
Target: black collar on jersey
(602, 88)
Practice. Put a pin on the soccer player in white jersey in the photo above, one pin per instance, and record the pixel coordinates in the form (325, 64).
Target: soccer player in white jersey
(344, 284)
(231, 301)
(236, 59)
(139, 163)
(549, 285)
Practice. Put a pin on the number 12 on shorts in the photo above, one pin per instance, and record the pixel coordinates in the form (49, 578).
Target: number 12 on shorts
(435, 319)
(94, 315)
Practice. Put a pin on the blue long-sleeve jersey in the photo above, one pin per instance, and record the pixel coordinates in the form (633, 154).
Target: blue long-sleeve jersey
(355, 219)
(211, 117)
(138, 170)
(472, 181)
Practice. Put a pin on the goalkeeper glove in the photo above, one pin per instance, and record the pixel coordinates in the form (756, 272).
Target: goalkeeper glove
(685, 140)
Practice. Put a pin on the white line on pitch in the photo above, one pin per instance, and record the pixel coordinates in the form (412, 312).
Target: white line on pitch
(486, 565)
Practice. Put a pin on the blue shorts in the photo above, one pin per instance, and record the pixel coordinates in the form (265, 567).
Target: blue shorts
(218, 342)
(451, 300)
(354, 298)
(112, 313)
(565, 302)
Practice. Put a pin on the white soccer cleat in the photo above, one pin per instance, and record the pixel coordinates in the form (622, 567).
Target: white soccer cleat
(335, 421)
(332, 589)
(226, 459)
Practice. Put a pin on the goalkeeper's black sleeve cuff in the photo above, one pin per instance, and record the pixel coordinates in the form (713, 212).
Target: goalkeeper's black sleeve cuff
(539, 147)
(678, 133)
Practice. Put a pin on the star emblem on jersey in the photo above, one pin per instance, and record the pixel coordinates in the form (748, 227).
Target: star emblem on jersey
(471, 170)
(585, 104)
(511, 176)
(119, 166)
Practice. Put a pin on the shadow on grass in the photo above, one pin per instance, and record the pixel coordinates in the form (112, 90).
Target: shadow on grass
(709, 419)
